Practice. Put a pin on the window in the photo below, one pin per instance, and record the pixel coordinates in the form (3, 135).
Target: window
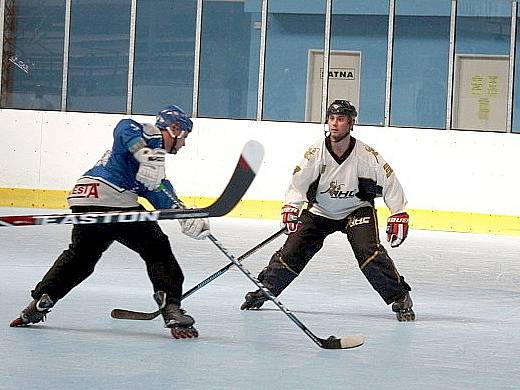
(361, 26)
(98, 56)
(480, 87)
(293, 30)
(32, 63)
(164, 55)
(229, 59)
(419, 81)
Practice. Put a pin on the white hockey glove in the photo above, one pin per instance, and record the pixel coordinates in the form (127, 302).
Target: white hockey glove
(197, 228)
(151, 169)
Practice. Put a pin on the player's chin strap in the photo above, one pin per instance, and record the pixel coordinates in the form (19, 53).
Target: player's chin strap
(174, 138)
(345, 136)
(326, 130)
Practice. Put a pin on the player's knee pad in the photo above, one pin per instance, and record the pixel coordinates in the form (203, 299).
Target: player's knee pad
(278, 274)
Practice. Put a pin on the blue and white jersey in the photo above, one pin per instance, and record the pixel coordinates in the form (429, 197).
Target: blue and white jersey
(111, 182)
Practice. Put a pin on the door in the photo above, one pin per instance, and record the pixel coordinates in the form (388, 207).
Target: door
(344, 80)
(480, 92)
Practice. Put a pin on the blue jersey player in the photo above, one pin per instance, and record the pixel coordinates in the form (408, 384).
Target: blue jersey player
(133, 167)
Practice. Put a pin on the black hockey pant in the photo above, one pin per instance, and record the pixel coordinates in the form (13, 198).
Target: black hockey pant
(362, 233)
(88, 242)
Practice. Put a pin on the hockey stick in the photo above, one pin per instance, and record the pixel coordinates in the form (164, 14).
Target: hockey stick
(122, 314)
(330, 343)
(244, 174)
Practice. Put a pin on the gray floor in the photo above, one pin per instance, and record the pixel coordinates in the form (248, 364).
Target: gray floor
(465, 287)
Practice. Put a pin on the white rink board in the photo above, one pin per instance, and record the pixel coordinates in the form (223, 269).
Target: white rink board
(440, 170)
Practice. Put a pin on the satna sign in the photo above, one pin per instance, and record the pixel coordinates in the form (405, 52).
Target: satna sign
(340, 73)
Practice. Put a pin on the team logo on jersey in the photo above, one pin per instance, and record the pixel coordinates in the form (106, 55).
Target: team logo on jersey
(310, 153)
(335, 191)
(388, 170)
(87, 190)
(373, 151)
(357, 221)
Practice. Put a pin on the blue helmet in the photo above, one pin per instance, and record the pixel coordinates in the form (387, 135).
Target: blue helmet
(173, 114)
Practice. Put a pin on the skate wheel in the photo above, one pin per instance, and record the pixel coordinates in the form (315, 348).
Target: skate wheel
(406, 317)
(184, 333)
(16, 322)
(251, 306)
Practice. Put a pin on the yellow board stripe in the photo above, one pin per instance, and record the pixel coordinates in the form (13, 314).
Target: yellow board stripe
(23, 197)
(451, 221)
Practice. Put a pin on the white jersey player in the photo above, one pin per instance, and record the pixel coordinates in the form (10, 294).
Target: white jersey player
(339, 177)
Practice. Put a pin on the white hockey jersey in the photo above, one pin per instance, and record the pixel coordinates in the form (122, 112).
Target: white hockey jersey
(330, 183)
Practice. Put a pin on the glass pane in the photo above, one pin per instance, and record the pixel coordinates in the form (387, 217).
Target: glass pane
(294, 28)
(98, 56)
(480, 88)
(483, 26)
(419, 81)
(164, 55)
(229, 59)
(32, 60)
(360, 27)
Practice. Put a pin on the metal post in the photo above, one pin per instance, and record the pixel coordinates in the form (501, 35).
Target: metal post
(261, 66)
(131, 55)
(511, 79)
(326, 62)
(451, 63)
(196, 60)
(389, 61)
(2, 8)
(65, 71)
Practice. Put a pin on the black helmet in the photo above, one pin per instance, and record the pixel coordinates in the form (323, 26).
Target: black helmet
(342, 107)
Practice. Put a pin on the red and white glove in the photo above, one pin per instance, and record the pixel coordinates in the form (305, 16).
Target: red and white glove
(397, 229)
(290, 218)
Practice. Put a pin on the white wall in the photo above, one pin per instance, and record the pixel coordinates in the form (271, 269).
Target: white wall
(439, 169)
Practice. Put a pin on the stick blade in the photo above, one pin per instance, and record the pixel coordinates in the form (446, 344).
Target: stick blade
(253, 154)
(346, 342)
(122, 314)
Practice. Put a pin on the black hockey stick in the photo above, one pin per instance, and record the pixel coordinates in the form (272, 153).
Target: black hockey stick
(122, 314)
(330, 343)
(244, 174)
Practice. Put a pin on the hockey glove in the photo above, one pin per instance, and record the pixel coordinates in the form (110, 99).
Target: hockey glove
(151, 168)
(290, 218)
(197, 228)
(397, 229)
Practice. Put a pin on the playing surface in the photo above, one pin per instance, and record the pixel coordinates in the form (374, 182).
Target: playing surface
(466, 290)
